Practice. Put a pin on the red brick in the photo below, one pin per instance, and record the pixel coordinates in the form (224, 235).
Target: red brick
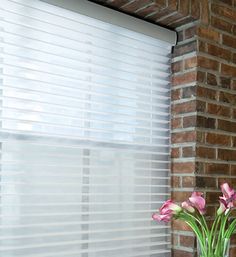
(175, 152)
(189, 92)
(189, 181)
(207, 93)
(185, 78)
(195, 9)
(181, 253)
(184, 107)
(175, 181)
(201, 76)
(229, 41)
(219, 52)
(176, 94)
(218, 110)
(227, 125)
(204, 11)
(176, 123)
(233, 170)
(184, 7)
(217, 139)
(211, 79)
(190, 32)
(189, 121)
(149, 9)
(225, 82)
(227, 155)
(203, 182)
(208, 33)
(206, 122)
(207, 63)
(133, 6)
(188, 151)
(190, 63)
(182, 137)
(221, 24)
(217, 168)
(212, 197)
(187, 241)
(202, 46)
(228, 70)
(180, 50)
(223, 11)
(228, 98)
(179, 224)
(205, 152)
(183, 167)
(177, 66)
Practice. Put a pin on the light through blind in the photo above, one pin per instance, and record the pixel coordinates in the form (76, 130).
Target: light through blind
(84, 135)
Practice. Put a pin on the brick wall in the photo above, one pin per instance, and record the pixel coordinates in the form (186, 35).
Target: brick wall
(203, 98)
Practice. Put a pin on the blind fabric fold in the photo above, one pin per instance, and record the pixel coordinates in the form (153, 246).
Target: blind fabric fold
(84, 135)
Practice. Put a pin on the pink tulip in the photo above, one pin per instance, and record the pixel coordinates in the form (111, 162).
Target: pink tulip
(188, 207)
(167, 210)
(222, 208)
(228, 197)
(197, 201)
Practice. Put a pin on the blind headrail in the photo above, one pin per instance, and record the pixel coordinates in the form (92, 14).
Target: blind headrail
(116, 18)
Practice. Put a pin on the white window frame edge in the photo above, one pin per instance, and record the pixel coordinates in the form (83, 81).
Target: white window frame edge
(108, 15)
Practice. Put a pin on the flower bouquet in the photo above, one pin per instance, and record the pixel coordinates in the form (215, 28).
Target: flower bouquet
(213, 241)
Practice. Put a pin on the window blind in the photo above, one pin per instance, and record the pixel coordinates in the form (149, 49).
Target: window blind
(84, 135)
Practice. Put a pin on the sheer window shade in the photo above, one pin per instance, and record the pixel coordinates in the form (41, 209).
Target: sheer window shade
(84, 135)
